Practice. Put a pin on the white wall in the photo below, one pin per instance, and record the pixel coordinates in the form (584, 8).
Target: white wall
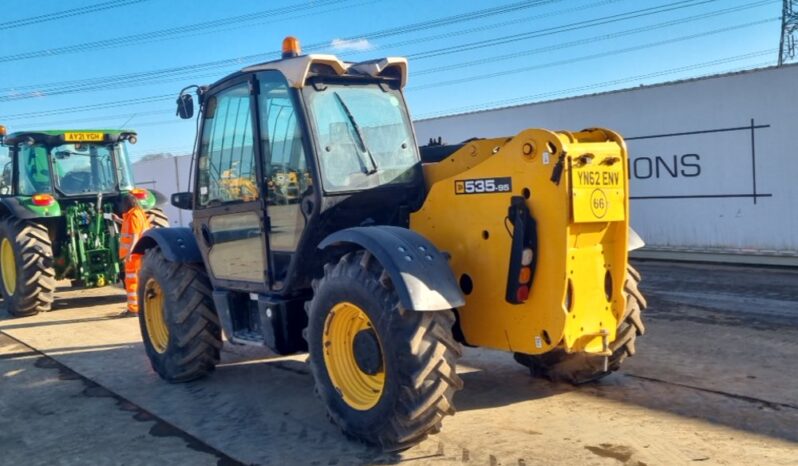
(706, 199)
(167, 176)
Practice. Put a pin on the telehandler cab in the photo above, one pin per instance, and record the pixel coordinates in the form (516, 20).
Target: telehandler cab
(57, 191)
(386, 258)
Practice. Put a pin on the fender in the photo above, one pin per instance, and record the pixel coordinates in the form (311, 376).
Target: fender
(13, 206)
(420, 273)
(177, 244)
(635, 241)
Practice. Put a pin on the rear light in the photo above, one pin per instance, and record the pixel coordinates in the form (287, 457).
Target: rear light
(522, 293)
(525, 275)
(526, 257)
(139, 193)
(43, 200)
(522, 251)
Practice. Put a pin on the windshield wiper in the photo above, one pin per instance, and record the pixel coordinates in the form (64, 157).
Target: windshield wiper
(359, 135)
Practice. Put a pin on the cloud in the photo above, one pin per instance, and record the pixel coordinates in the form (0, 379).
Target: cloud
(357, 45)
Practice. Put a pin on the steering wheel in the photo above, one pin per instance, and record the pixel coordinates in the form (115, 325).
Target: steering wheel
(76, 182)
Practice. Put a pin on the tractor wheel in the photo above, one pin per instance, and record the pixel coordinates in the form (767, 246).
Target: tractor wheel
(157, 218)
(386, 374)
(26, 267)
(178, 322)
(579, 368)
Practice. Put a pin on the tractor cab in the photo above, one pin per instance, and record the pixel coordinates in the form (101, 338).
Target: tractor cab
(67, 164)
(65, 188)
(290, 150)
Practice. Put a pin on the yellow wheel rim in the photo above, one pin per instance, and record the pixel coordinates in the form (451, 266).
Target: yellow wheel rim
(360, 390)
(9, 266)
(154, 317)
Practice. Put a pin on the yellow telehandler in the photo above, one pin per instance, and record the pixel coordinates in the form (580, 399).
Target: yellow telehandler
(388, 257)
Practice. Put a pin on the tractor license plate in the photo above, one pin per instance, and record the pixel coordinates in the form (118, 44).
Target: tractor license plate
(598, 193)
(83, 137)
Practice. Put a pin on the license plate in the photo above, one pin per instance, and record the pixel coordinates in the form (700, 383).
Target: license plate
(84, 137)
(598, 192)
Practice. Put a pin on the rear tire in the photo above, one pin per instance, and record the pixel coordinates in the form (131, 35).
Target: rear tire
(415, 359)
(27, 287)
(179, 325)
(579, 368)
(157, 218)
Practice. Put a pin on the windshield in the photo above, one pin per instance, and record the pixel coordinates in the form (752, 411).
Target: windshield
(78, 168)
(364, 136)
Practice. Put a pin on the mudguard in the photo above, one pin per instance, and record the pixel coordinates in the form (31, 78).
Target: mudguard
(420, 273)
(22, 208)
(177, 244)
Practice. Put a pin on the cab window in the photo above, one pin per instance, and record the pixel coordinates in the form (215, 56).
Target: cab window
(83, 168)
(5, 172)
(364, 136)
(33, 170)
(227, 171)
(285, 165)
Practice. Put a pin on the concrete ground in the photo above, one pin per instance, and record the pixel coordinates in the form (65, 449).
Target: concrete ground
(715, 381)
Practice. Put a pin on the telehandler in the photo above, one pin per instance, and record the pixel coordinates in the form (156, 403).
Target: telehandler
(389, 257)
(58, 190)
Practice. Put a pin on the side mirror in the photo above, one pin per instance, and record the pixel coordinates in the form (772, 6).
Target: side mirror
(185, 106)
(184, 201)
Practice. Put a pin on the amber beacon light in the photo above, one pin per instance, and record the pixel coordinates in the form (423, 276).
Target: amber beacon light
(291, 47)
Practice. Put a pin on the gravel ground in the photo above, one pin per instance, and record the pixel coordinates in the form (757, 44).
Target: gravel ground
(714, 382)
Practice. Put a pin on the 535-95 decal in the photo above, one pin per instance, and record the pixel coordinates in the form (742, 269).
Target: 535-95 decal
(483, 185)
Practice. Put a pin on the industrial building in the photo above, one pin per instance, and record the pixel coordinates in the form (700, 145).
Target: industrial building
(712, 160)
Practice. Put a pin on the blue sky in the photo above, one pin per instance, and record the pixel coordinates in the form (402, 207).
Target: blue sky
(65, 73)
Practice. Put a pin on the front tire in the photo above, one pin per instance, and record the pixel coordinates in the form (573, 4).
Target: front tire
(27, 276)
(579, 368)
(179, 325)
(385, 373)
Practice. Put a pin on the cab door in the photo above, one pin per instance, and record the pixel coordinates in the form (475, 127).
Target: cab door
(288, 180)
(229, 216)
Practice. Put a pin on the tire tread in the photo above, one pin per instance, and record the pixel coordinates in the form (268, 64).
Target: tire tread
(427, 375)
(579, 368)
(34, 251)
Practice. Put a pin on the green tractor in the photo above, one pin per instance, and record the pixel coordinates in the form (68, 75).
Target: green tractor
(60, 194)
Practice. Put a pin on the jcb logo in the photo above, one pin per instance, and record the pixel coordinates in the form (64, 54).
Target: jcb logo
(483, 186)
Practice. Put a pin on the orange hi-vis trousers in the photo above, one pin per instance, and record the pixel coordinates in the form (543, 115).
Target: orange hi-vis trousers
(134, 223)
(132, 266)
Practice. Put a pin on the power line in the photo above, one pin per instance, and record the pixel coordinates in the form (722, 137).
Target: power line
(115, 81)
(136, 79)
(168, 97)
(67, 13)
(443, 51)
(592, 56)
(476, 77)
(487, 27)
(579, 25)
(52, 124)
(117, 103)
(236, 20)
(528, 99)
(170, 32)
(590, 40)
